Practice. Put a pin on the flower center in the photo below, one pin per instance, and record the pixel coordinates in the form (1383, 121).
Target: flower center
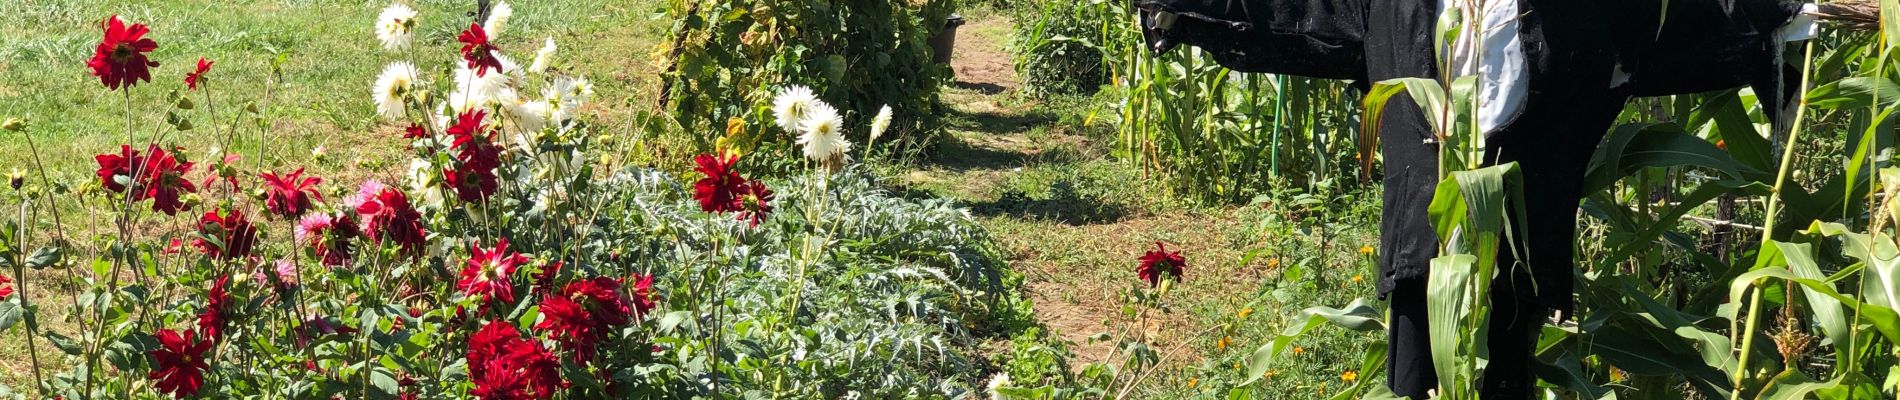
(491, 270)
(123, 52)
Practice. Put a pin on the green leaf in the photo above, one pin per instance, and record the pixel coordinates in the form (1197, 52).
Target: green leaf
(1644, 240)
(1357, 316)
(1827, 311)
(1865, 143)
(1448, 305)
(1736, 130)
(45, 256)
(10, 314)
(384, 381)
(1380, 96)
(1565, 370)
(1856, 92)
(1635, 146)
(65, 344)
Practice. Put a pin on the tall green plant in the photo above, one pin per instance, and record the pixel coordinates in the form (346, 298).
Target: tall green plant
(728, 57)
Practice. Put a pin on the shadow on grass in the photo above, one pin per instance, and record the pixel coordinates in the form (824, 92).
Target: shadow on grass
(981, 88)
(1000, 123)
(1063, 204)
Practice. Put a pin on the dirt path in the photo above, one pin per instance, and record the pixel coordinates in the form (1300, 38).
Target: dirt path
(1077, 249)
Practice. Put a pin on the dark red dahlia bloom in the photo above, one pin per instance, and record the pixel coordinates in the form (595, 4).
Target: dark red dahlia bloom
(489, 344)
(332, 238)
(217, 304)
(181, 365)
(476, 49)
(1161, 261)
(544, 281)
(568, 322)
(473, 178)
(414, 131)
(290, 194)
(585, 313)
(604, 300)
(643, 301)
(158, 175)
(119, 60)
(719, 191)
(388, 216)
(488, 272)
(470, 184)
(5, 291)
(192, 79)
(225, 235)
(755, 202)
(503, 365)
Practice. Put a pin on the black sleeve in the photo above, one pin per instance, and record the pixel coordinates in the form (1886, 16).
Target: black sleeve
(1703, 45)
(1313, 38)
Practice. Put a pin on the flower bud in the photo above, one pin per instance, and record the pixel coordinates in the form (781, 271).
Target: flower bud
(16, 179)
(13, 125)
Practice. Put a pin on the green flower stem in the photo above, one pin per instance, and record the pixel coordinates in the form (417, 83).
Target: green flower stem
(1768, 225)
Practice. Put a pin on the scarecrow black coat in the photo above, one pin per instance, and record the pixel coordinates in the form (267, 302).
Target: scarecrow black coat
(1574, 48)
(1582, 60)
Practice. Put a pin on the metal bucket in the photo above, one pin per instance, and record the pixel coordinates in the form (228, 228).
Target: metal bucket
(945, 41)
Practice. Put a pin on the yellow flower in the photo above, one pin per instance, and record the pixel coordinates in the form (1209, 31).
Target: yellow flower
(1358, 278)
(1273, 263)
(1349, 376)
(1192, 382)
(1222, 343)
(1365, 250)
(1297, 350)
(1244, 312)
(1269, 374)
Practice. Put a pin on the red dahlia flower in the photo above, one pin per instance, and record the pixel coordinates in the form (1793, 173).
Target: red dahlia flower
(231, 236)
(5, 291)
(569, 323)
(754, 202)
(388, 216)
(414, 131)
(476, 49)
(119, 60)
(192, 79)
(1160, 261)
(585, 313)
(487, 272)
(290, 194)
(213, 320)
(503, 365)
(158, 175)
(474, 177)
(719, 191)
(331, 238)
(181, 365)
(544, 281)
(643, 295)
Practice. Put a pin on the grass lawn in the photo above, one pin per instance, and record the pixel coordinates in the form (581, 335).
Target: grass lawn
(320, 93)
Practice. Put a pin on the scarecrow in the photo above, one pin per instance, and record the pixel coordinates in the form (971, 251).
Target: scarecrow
(1554, 76)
